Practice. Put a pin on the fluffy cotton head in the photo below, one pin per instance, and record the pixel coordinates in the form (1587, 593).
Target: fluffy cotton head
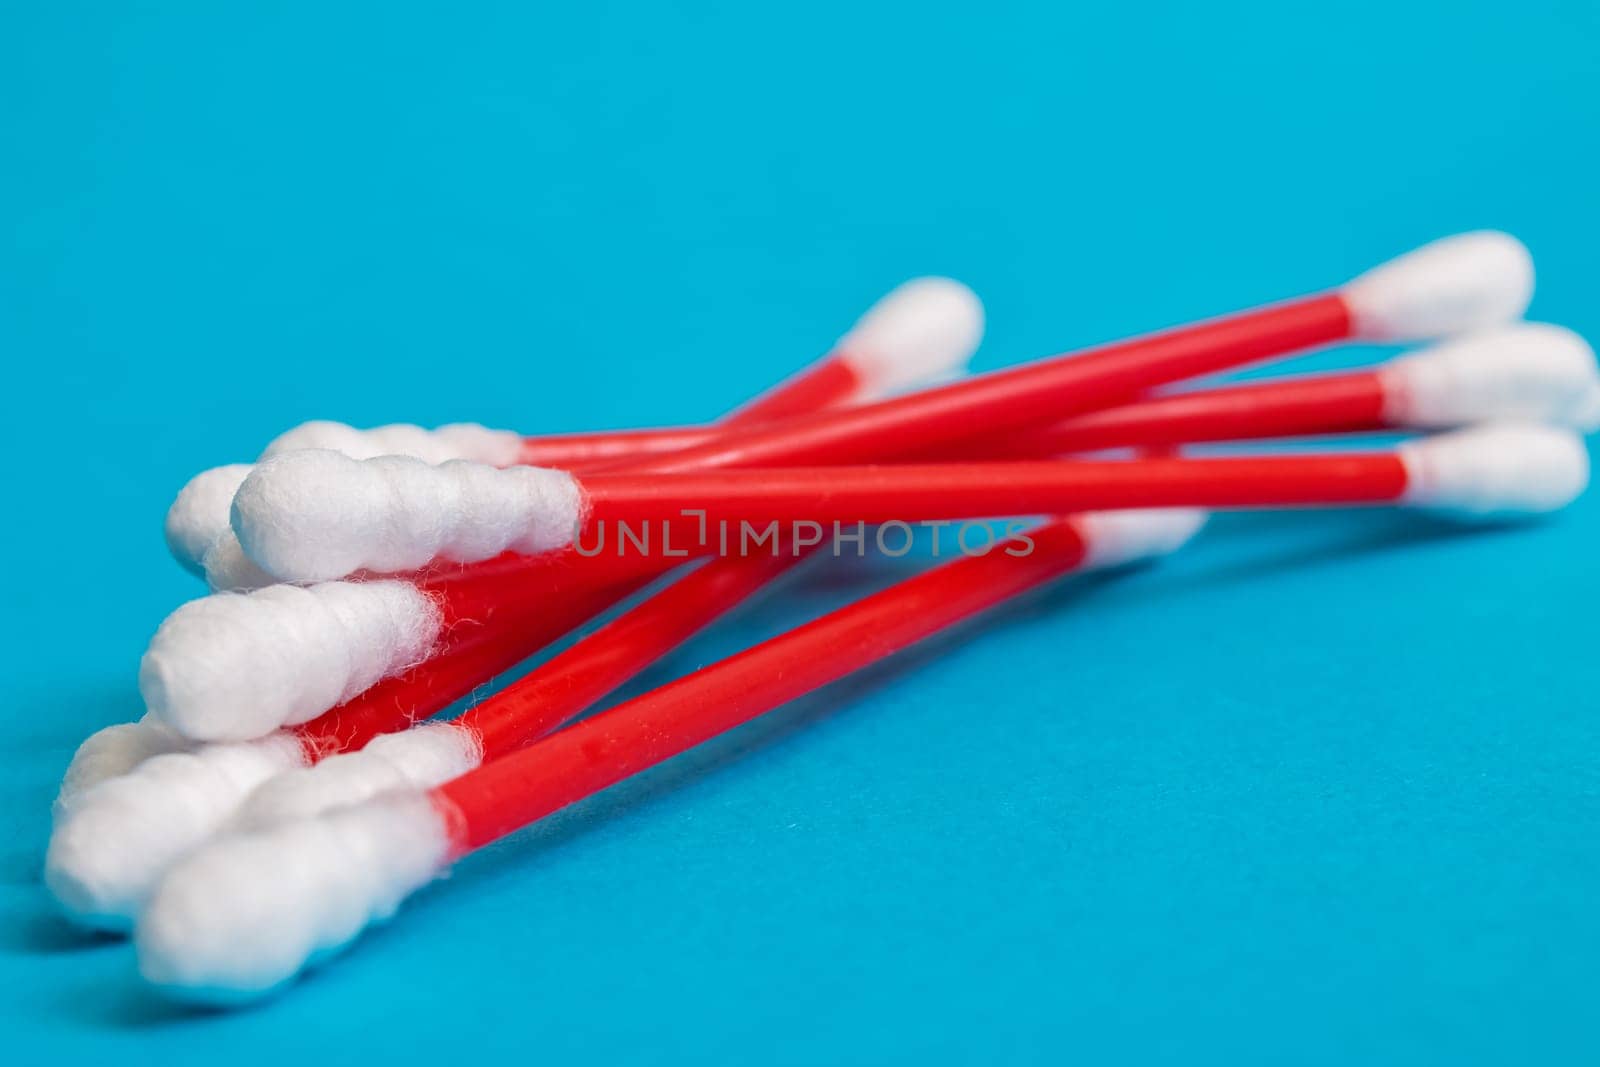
(461, 440)
(419, 758)
(923, 331)
(315, 515)
(1586, 416)
(233, 666)
(1529, 372)
(228, 570)
(108, 851)
(1455, 285)
(200, 513)
(1118, 537)
(1505, 471)
(245, 914)
(113, 751)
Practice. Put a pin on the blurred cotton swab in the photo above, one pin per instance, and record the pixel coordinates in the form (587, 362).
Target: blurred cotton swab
(244, 914)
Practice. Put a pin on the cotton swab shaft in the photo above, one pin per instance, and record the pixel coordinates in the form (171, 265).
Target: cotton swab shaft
(828, 382)
(919, 492)
(575, 679)
(1327, 404)
(431, 686)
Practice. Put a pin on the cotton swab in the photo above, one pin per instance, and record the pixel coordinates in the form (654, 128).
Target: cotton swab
(397, 514)
(1527, 372)
(922, 331)
(245, 913)
(159, 795)
(1450, 286)
(539, 702)
(315, 647)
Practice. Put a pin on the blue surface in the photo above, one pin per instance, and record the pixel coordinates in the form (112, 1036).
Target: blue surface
(1323, 790)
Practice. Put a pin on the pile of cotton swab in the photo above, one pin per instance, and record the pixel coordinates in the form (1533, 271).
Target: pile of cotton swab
(285, 787)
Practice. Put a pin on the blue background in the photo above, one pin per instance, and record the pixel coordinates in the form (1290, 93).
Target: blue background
(1321, 790)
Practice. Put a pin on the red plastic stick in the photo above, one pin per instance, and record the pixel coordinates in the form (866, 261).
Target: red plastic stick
(988, 404)
(826, 383)
(575, 451)
(430, 687)
(522, 787)
(1349, 402)
(915, 492)
(577, 678)
(1346, 402)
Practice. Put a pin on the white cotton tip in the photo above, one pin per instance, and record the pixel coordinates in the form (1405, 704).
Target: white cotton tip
(461, 440)
(315, 515)
(1586, 416)
(1529, 372)
(114, 751)
(1118, 537)
(1455, 285)
(1497, 471)
(923, 331)
(228, 570)
(419, 758)
(232, 666)
(107, 853)
(246, 913)
(199, 515)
